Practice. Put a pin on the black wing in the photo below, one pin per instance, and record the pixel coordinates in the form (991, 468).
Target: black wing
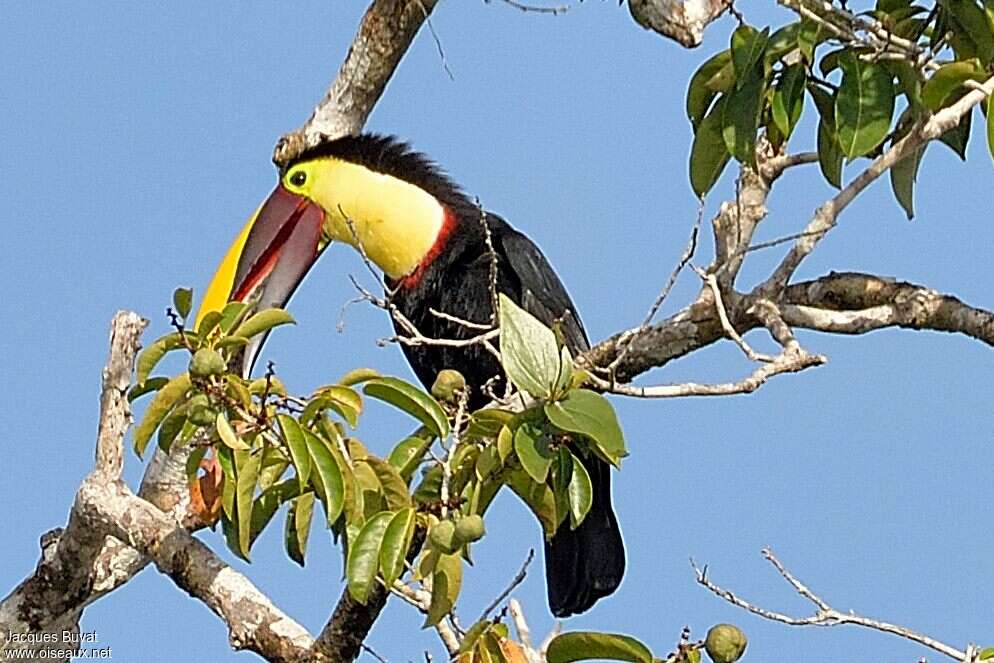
(542, 293)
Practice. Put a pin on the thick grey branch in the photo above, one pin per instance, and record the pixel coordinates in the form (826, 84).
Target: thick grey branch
(853, 303)
(52, 599)
(254, 623)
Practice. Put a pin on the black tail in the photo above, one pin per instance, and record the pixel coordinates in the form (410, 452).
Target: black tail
(585, 564)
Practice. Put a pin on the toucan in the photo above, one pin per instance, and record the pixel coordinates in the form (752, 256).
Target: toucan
(439, 253)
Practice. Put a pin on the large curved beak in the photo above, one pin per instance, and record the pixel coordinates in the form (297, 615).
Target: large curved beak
(268, 259)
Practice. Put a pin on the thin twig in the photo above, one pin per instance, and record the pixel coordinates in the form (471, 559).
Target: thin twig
(555, 11)
(517, 580)
(712, 282)
(825, 615)
(685, 258)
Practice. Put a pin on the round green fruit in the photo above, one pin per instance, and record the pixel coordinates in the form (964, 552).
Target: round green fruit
(206, 362)
(202, 415)
(470, 529)
(448, 383)
(443, 536)
(725, 643)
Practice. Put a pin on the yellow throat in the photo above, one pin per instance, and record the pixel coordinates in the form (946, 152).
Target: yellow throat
(395, 222)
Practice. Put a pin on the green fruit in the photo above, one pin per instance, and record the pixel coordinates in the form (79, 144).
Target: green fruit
(203, 415)
(725, 643)
(442, 536)
(448, 384)
(206, 362)
(470, 529)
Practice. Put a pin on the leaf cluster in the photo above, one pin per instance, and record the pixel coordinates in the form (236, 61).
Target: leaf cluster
(254, 449)
(866, 96)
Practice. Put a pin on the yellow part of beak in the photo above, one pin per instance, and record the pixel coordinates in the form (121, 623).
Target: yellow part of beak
(219, 290)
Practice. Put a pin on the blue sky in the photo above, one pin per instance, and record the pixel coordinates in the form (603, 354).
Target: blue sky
(136, 139)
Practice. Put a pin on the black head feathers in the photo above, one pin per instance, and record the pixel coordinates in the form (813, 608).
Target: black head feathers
(391, 156)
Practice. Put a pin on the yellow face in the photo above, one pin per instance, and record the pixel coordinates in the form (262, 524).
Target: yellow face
(395, 222)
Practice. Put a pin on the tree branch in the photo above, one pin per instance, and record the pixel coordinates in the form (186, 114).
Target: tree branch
(254, 623)
(384, 35)
(825, 615)
(827, 215)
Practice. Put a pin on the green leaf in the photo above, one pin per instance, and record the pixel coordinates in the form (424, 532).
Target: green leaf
(539, 498)
(701, 93)
(809, 37)
(829, 153)
(232, 315)
(207, 324)
(532, 447)
(487, 462)
(227, 434)
(581, 493)
(987, 652)
(708, 154)
(247, 474)
(394, 487)
(164, 401)
(182, 301)
(587, 645)
(505, 443)
(788, 99)
(298, 526)
(231, 342)
(297, 444)
(274, 465)
(170, 428)
(972, 23)
(529, 352)
(226, 460)
(153, 354)
(358, 375)
(149, 385)
(782, 42)
(591, 415)
(958, 137)
(741, 118)
(902, 180)
(268, 502)
(445, 583)
(411, 400)
(409, 452)
(343, 400)
(263, 321)
(364, 556)
(748, 46)
(939, 90)
(396, 541)
(485, 424)
(864, 106)
(330, 484)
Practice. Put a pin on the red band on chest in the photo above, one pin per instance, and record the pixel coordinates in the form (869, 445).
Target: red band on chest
(449, 224)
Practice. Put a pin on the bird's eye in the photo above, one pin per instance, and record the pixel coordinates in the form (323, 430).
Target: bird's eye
(298, 178)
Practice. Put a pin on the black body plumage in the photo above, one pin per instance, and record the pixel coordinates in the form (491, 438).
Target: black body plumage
(582, 565)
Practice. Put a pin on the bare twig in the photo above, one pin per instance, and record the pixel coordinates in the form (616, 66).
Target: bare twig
(517, 580)
(824, 615)
(826, 216)
(712, 282)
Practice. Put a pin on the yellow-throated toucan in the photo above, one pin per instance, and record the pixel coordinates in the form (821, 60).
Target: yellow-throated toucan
(428, 237)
